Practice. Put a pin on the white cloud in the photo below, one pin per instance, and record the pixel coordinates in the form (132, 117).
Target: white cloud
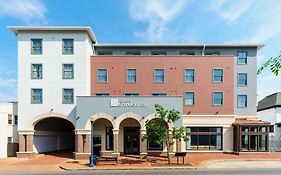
(158, 14)
(10, 83)
(27, 11)
(231, 10)
(268, 84)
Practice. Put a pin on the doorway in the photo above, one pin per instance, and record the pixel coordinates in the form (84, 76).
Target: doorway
(131, 140)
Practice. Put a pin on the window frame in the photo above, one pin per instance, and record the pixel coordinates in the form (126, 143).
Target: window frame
(32, 50)
(127, 75)
(102, 94)
(222, 76)
(110, 135)
(63, 96)
(159, 94)
(217, 105)
(133, 94)
(238, 80)
(186, 53)
(133, 53)
(63, 46)
(185, 71)
(154, 76)
(104, 52)
(246, 62)
(246, 101)
(98, 75)
(31, 72)
(10, 119)
(193, 100)
(158, 53)
(32, 99)
(63, 71)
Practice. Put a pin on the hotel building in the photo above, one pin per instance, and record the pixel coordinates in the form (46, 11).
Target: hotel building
(68, 81)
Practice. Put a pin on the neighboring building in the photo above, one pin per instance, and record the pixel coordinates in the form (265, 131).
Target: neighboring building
(269, 109)
(8, 129)
(69, 81)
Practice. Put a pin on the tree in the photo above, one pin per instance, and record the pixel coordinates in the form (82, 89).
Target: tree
(274, 63)
(158, 131)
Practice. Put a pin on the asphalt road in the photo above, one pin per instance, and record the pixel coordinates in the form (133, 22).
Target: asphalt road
(166, 172)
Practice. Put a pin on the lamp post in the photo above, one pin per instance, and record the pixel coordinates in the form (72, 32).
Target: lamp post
(92, 158)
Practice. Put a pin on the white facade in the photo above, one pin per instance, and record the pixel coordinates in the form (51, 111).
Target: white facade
(273, 115)
(7, 130)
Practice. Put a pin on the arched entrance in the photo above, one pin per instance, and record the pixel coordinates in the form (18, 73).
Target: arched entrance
(103, 136)
(53, 134)
(129, 132)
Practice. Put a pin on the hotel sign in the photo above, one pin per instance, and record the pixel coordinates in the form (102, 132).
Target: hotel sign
(122, 102)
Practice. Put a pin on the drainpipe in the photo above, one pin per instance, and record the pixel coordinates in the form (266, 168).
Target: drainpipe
(203, 50)
(92, 158)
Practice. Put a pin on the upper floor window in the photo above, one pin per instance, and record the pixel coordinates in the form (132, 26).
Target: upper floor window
(242, 57)
(189, 98)
(217, 98)
(36, 96)
(68, 48)
(102, 94)
(242, 101)
(159, 94)
(10, 119)
(105, 52)
(131, 75)
(102, 75)
(132, 94)
(68, 71)
(187, 53)
(159, 75)
(10, 139)
(68, 96)
(212, 53)
(158, 53)
(15, 119)
(36, 71)
(133, 53)
(189, 75)
(217, 75)
(242, 79)
(36, 46)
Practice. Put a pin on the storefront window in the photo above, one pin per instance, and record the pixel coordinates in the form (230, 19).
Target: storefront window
(108, 138)
(204, 138)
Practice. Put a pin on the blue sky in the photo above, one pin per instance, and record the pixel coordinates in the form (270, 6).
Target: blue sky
(148, 21)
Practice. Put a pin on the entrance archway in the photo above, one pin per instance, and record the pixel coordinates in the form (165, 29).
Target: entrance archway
(53, 134)
(129, 132)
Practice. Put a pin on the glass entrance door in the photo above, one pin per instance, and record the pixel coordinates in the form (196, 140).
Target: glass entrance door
(253, 143)
(131, 140)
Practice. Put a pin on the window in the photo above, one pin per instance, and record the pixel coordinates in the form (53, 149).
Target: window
(104, 52)
(242, 101)
(187, 53)
(68, 71)
(158, 75)
(68, 96)
(212, 53)
(189, 98)
(242, 57)
(10, 139)
(108, 138)
(158, 53)
(102, 75)
(242, 79)
(217, 98)
(154, 145)
(189, 75)
(271, 128)
(67, 46)
(133, 53)
(10, 119)
(102, 93)
(217, 75)
(36, 96)
(131, 94)
(15, 119)
(159, 94)
(204, 138)
(131, 75)
(36, 71)
(36, 46)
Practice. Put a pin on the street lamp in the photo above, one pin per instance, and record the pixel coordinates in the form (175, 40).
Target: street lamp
(92, 158)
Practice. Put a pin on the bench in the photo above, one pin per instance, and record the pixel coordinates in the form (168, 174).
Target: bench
(106, 159)
(180, 154)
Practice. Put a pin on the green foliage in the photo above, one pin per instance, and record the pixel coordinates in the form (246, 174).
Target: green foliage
(158, 132)
(274, 63)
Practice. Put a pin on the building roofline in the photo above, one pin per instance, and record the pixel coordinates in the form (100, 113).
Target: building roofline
(258, 46)
(88, 30)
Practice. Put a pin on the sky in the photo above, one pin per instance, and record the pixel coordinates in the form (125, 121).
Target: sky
(148, 21)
